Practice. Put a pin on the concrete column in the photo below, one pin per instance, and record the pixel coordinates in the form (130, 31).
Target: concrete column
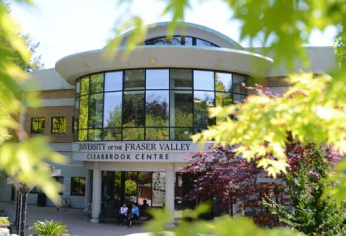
(88, 181)
(169, 200)
(96, 203)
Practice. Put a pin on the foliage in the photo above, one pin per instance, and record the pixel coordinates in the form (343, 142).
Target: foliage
(27, 161)
(309, 211)
(130, 187)
(224, 225)
(49, 228)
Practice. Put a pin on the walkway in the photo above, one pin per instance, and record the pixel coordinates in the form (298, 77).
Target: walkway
(77, 223)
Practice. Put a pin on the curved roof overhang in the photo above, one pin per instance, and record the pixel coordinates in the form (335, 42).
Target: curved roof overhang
(220, 59)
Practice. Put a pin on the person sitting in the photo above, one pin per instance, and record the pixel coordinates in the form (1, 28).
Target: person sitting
(123, 214)
(134, 214)
(144, 205)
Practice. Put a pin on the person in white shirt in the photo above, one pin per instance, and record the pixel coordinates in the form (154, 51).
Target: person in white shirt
(123, 214)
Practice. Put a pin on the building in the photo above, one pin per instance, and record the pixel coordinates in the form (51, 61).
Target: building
(125, 123)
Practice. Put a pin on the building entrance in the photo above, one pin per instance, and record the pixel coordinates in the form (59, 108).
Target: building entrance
(132, 186)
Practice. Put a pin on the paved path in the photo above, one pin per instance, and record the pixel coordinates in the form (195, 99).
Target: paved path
(77, 223)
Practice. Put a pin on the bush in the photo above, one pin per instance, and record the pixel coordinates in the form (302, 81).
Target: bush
(49, 228)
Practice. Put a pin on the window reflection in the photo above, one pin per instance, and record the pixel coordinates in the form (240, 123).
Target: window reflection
(181, 133)
(157, 108)
(181, 108)
(179, 40)
(133, 134)
(112, 110)
(157, 79)
(188, 41)
(203, 43)
(95, 134)
(223, 82)
(181, 79)
(134, 114)
(96, 83)
(237, 83)
(203, 101)
(114, 81)
(203, 80)
(134, 79)
(84, 86)
(83, 115)
(238, 97)
(156, 134)
(95, 110)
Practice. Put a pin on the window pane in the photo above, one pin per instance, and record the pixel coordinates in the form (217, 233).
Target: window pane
(82, 135)
(83, 115)
(181, 108)
(77, 186)
(180, 133)
(157, 108)
(176, 40)
(156, 134)
(133, 134)
(112, 110)
(237, 81)
(95, 110)
(84, 86)
(223, 82)
(134, 79)
(134, 115)
(95, 134)
(181, 79)
(131, 186)
(203, 80)
(114, 81)
(59, 125)
(188, 41)
(96, 83)
(238, 97)
(38, 125)
(112, 134)
(203, 43)
(203, 101)
(157, 79)
(223, 99)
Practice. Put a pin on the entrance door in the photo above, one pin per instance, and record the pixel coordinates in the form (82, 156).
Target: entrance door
(130, 186)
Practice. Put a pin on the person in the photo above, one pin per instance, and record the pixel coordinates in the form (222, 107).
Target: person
(134, 214)
(123, 214)
(144, 205)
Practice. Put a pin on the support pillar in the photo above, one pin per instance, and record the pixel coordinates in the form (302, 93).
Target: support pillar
(169, 198)
(88, 181)
(96, 203)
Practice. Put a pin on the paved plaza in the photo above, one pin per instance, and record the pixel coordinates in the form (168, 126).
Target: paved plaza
(77, 223)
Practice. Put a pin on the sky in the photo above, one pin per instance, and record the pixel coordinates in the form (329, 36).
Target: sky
(65, 27)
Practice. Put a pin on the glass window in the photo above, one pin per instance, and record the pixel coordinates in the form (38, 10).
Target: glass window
(203, 43)
(176, 40)
(203, 101)
(188, 41)
(112, 134)
(38, 125)
(84, 86)
(95, 110)
(58, 125)
(156, 134)
(133, 134)
(180, 133)
(114, 81)
(134, 79)
(94, 134)
(180, 79)
(112, 110)
(82, 135)
(238, 97)
(96, 83)
(223, 99)
(83, 113)
(223, 82)
(60, 180)
(203, 80)
(157, 108)
(181, 108)
(78, 186)
(133, 107)
(237, 83)
(157, 79)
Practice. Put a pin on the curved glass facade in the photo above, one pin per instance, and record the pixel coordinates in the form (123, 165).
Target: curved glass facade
(180, 40)
(151, 104)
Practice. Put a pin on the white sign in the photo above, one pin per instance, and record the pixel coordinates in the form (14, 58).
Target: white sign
(135, 151)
